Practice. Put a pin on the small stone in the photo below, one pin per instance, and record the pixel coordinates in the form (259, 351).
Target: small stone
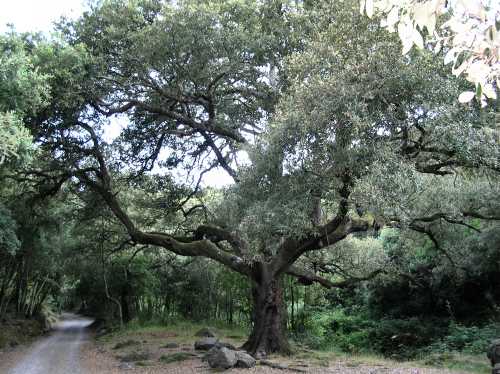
(126, 366)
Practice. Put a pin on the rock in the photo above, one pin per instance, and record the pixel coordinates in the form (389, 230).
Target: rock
(260, 355)
(205, 333)
(226, 345)
(212, 351)
(494, 352)
(222, 358)
(171, 345)
(244, 360)
(205, 344)
(126, 366)
(496, 369)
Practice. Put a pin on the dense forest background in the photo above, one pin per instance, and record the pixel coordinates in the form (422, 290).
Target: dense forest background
(364, 213)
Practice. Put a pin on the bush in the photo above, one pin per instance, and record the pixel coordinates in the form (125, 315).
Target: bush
(472, 339)
(357, 333)
(336, 329)
(401, 339)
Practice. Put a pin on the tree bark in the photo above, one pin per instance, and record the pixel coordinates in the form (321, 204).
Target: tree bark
(269, 330)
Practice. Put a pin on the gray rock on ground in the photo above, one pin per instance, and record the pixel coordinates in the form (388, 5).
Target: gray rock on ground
(244, 360)
(126, 366)
(212, 351)
(205, 333)
(222, 358)
(205, 344)
(215, 358)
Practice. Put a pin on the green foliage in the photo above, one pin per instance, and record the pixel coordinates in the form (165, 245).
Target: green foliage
(9, 242)
(467, 339)
(23, 88)
(23, 91)
(339, 330)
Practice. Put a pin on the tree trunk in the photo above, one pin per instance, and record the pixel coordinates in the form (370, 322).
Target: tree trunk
(269, 331)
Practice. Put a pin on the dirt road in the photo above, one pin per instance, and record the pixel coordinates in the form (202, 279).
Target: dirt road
(57, 353)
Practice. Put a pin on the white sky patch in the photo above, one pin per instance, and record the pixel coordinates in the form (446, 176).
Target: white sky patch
(116, 125)
(37, 15)
(219, 177)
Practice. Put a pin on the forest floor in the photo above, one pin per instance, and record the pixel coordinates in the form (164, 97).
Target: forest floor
(170, 350)
(157, 349)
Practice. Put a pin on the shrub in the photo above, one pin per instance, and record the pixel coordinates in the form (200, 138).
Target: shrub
(467, 339)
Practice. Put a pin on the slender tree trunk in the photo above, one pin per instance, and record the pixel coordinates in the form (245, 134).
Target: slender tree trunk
(292, 296)
(269, 331)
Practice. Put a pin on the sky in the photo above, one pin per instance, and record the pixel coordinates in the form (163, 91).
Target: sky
(39, 15)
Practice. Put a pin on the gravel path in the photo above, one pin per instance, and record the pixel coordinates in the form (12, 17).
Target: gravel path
(58, 353)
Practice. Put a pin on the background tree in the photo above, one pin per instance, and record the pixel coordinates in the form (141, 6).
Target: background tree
(24, 90)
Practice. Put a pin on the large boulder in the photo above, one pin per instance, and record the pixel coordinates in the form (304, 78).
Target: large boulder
(205, 344)
(222, 358)
(205, 333)
(244, 360)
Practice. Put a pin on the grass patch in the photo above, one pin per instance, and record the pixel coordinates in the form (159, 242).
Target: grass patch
(176, 357)
(183, 331)
(127, 343)
(459, 361)
(143, 363)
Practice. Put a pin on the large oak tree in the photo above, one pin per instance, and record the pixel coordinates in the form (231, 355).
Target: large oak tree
(344, 134)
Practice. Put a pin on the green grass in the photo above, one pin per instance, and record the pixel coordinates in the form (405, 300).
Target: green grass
(184, 330)
(176, 357)
(459, 361)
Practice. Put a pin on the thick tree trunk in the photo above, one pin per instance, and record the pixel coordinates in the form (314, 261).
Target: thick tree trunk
(269, 329)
